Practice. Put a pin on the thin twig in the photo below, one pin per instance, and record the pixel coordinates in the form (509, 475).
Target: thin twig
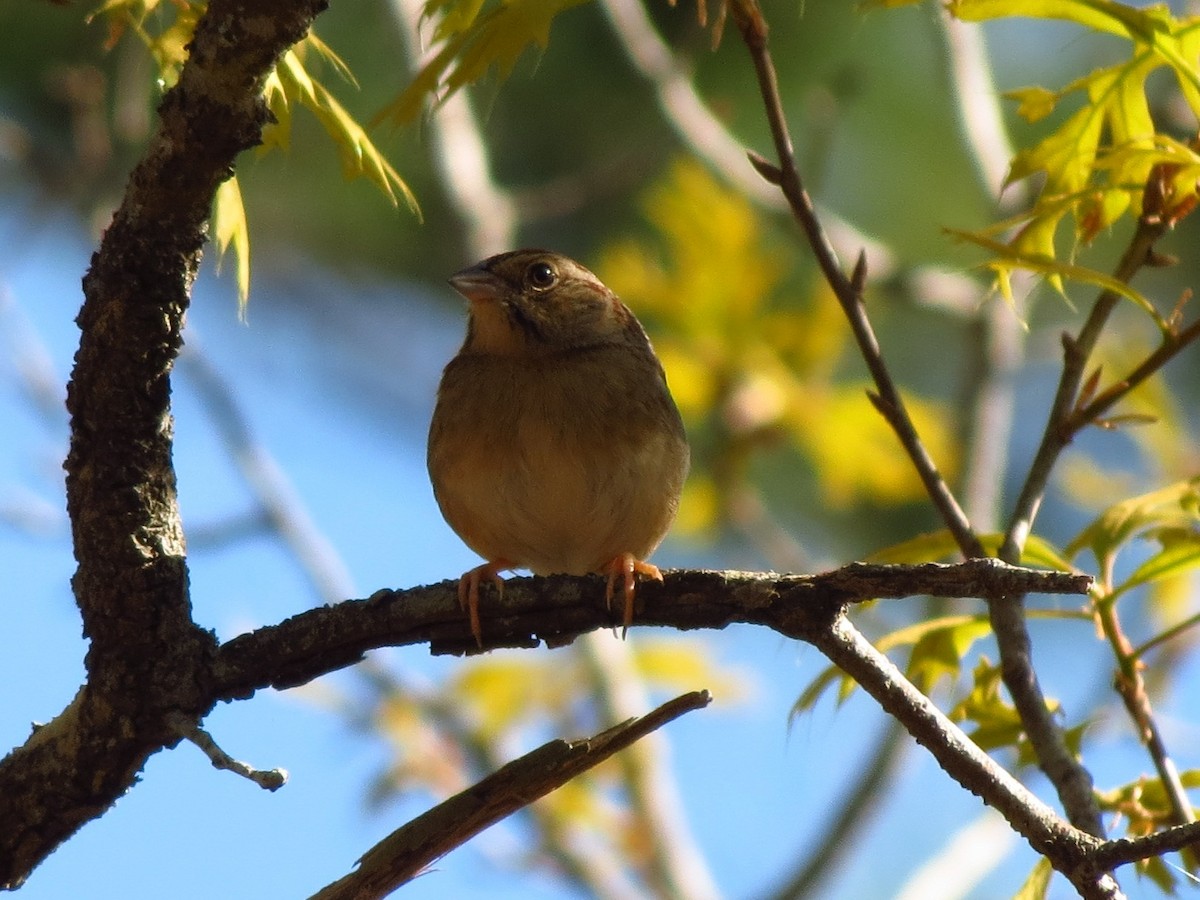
(1070, 778)
(1060, 430)
(1172, 344)
(404, 853)
(601, 876)
(848, 290)
(1131, 687)
(267, 779)
(704, 133)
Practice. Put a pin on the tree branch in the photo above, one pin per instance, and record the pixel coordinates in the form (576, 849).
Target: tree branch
(1072, 780)
(403, 854)
(1067, 848)
(1126, 850)
(555, 610)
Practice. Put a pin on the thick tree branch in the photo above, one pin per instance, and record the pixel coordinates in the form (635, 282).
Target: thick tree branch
(146, 658)
(403, 854)
(558, 609)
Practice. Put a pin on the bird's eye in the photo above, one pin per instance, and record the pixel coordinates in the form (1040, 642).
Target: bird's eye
(541, 275)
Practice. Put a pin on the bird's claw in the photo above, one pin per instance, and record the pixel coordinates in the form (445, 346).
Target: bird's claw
(468, 593)
(627, 567)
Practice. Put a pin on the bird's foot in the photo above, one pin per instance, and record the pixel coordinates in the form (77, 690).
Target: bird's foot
(627, 567)
(468, 592)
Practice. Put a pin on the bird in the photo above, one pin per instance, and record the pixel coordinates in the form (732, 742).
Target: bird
(555, 444)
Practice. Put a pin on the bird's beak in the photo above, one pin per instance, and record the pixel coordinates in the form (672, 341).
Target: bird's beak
(476, 284)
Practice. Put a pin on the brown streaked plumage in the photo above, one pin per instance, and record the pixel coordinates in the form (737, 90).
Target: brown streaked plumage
(555, 445)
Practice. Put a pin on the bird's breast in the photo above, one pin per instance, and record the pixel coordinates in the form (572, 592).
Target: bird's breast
(542, 466)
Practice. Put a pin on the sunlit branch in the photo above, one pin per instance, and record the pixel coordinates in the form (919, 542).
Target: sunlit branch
(406, 852)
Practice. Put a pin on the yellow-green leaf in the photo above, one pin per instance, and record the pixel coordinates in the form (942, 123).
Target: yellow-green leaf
(1037, 885)
(1052, 268)
(475, 41)
(1097, 163)
(230, 233)
(1173, 560)
(939, 652)
(1096, 15)
(685, 665)
(940, 545)
(1172, 505)
(1034, 103)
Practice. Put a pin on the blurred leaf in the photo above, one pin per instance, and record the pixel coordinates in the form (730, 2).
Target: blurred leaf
(425, 757)
(1144, 803)
(1037, 885)
(687, 665)
(855, 451)
(811, 694)
(167, 43)
(750, 360)
(943, 640)
(996, 721)
(230, 232)
(506, 691)
(1156, 869)
(940, 545)
(1174, 560)
(474, 40)
(933, 546)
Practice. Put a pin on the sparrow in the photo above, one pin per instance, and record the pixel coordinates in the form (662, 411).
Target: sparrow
(555, 444)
